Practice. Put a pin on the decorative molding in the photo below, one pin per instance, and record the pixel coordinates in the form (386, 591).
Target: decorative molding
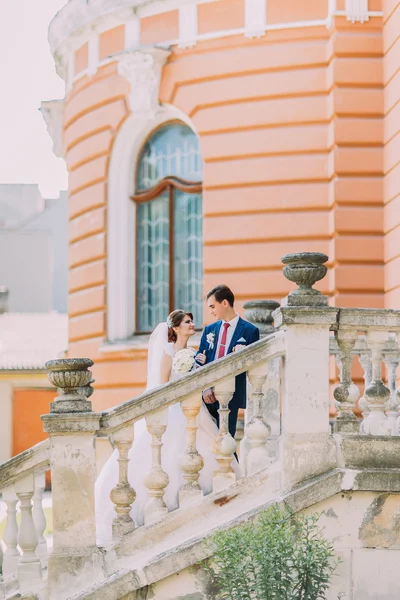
(75, 23)
(53, 114)
(188, 25)
(357, 11)
(255, 18)
(121, 225)
(143, 71)
(331, 13)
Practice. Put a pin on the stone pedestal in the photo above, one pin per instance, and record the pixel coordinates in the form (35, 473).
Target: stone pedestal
(307, 448)
(75, 562)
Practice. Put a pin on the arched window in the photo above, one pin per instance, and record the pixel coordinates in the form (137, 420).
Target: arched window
(169, 261)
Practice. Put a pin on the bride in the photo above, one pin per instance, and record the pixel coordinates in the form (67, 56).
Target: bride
(165, 341)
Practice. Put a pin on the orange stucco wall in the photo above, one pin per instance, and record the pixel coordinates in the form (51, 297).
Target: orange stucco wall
(391, 82)
(28, 405)
(298, 133)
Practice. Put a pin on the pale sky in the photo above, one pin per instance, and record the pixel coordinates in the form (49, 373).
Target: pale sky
(28, 76)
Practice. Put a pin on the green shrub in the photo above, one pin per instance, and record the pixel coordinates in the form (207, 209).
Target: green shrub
(280, 556)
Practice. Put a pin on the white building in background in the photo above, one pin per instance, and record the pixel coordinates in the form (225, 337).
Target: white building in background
(33, 249)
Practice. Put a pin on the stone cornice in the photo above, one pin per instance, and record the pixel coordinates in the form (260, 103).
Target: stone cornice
(79, 20)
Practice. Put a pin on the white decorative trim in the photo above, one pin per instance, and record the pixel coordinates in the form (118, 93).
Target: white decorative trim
(255, 18)
(53, 114)
(93, 53)
(132, 33)
(331, 13)
(357, 11)
(143, 71)
(121, 225)
(75, 23)
(188, 25)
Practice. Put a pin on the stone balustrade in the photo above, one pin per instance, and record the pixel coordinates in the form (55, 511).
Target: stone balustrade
(287, 431)
(25, 555)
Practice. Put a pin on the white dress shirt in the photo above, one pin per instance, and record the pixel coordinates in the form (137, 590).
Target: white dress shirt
(229, 334)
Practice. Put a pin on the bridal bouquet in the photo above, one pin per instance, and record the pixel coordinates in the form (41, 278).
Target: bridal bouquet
(183, 361)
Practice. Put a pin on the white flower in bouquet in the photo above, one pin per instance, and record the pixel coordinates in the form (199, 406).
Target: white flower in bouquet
(183, 361)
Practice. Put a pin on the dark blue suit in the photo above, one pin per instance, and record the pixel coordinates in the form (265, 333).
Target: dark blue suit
(244, 331)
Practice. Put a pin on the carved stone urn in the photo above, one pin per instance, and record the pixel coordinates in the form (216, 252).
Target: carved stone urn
(305, 269)
(259, 313)
(72, 378)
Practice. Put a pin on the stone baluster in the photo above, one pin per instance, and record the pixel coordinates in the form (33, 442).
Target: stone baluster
(29, 567)
(156, 479)
(11, 555)
(391, 359)
(376, 394)
(257, 430)
(123, 495)
(346, 392)
(225, 445)
(260, 314)
(364, 356)
(75, 562)
(39, 517)
(191, 462)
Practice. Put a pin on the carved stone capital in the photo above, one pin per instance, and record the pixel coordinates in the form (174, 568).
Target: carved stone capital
(143, 71)
(53, 115)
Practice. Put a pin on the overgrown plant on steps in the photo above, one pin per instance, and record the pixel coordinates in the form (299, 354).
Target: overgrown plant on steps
(280, 556)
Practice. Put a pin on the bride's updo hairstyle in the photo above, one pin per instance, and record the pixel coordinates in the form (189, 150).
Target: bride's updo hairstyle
(174, 320)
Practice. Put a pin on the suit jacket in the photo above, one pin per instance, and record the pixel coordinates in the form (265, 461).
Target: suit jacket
(244, 330)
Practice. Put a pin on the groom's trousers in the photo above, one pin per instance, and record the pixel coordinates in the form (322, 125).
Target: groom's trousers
(233, 415)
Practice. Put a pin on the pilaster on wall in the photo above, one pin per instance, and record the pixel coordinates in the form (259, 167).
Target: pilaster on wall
(356, 135)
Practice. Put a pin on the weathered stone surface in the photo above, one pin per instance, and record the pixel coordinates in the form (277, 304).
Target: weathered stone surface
(305, 269)
(381, 524)
(72, 378)
(375, 574)
(259, 312)
(368, 452)
(377, 480)
(33, 459)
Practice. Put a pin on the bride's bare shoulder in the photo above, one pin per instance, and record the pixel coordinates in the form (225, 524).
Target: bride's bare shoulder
(169, 350)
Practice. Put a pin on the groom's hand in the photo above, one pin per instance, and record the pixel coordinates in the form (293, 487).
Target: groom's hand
(209, 397)
(201, 358)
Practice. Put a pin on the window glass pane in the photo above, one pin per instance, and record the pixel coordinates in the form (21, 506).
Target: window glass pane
(153, 262)
(188, 254)
(173, 150)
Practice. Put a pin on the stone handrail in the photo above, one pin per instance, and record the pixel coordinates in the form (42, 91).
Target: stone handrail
(205, 377)
(34, 459)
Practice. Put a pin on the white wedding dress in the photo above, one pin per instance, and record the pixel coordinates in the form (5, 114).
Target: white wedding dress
(174, 444)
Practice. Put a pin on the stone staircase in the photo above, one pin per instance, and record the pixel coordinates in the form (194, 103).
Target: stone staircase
(290, 454)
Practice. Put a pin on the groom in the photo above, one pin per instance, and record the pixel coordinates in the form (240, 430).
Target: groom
(228, 334)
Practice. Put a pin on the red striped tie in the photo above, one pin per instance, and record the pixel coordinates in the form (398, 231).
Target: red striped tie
(222, 346)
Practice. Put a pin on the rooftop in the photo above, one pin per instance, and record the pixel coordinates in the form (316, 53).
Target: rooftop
(28, 341)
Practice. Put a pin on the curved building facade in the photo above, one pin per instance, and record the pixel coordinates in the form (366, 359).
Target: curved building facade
(204, 140)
